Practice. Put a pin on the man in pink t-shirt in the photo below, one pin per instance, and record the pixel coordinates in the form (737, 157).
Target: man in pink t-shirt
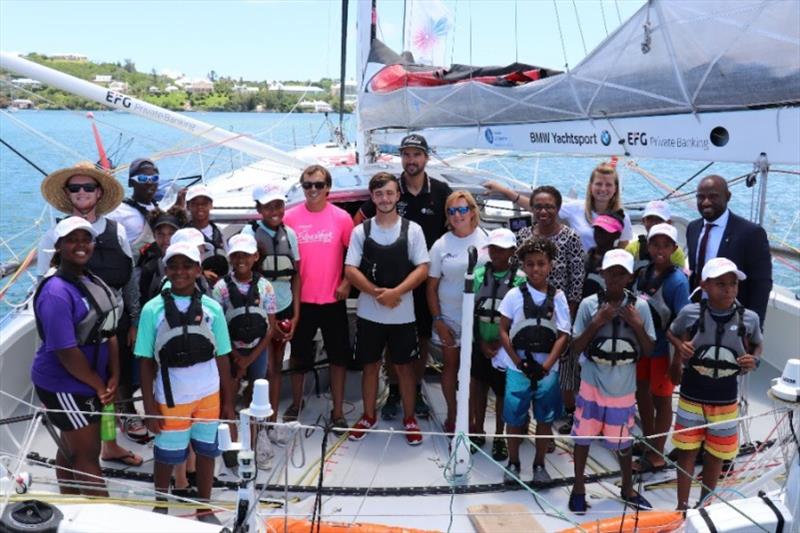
(323, 234)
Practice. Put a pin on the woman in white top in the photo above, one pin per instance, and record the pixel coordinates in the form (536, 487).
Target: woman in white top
(602, 197)
(449, 258)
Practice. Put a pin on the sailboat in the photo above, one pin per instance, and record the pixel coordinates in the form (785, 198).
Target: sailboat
(690, 95)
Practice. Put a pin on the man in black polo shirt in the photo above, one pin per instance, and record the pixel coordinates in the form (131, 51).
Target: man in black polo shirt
(422, 200)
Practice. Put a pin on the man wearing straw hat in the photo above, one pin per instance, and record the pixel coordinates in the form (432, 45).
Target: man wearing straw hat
(84, 190)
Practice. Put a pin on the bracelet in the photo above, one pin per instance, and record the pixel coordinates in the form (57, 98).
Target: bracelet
(517, 198)
(438, 317)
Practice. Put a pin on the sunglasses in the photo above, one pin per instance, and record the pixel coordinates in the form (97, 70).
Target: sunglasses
(141, 178)
(544, 207)
(319, 185)
(463, 210)
(76, 187)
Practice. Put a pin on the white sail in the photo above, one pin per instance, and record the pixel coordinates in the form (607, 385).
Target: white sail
(123, 102)
(691, 59)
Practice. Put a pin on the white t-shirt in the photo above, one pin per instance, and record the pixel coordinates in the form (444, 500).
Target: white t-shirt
(132, 219)
(572, 213)
(368, 307)
(512, 307)
(48, 243)
(449, 259)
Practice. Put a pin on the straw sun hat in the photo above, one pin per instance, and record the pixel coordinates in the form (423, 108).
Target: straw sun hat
(55, 195)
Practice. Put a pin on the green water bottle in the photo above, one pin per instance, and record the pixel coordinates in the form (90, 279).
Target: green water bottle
(108, 423)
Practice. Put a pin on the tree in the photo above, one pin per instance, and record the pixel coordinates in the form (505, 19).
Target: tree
(129, 65)
(154, 76)
(212, 76)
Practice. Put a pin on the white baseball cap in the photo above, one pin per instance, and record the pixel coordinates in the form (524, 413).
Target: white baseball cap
(719, 266)
(198, 190)
(618, 257)
(191, 235)
(502, 238)
(657, 208)
(70, 224)
(265, 194)
(183, 248)
(664, 229)
(242, 243)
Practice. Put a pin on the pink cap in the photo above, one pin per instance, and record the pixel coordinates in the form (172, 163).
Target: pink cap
(608, 223)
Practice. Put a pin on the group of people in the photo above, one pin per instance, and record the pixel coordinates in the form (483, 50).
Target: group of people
(571, 315)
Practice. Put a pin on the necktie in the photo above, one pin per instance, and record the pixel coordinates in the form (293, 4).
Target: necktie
(701, 254)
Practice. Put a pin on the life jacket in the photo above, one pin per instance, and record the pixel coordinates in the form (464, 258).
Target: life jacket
(100, 323)
(146, 236)
(594, 282)
(247, 320)
(152, 272)
(644, 260)
(386, 265)
(718, 342)
(651, 289)
(216, 260)
(182, 339)
(277, 259)
(108, 261)
(491, 293)
(537, 332)
(615, 342)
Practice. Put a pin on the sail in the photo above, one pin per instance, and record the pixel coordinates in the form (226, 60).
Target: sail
(669, 58)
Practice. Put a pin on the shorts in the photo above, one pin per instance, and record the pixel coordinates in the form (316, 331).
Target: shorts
(172, 444)
(422, 313)
(285, 314)
(519, 395)
(611, 417)
(569, 371)
(654, 369)
(455, 327)
(83, 410)
(482, 370)
(332, 320)
(372, 338)
(258, 368)
(720, 440)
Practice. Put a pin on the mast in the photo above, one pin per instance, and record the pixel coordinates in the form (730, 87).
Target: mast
(342, 74)
(123, 102)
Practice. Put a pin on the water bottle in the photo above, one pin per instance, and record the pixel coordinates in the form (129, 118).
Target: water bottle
(108, 423)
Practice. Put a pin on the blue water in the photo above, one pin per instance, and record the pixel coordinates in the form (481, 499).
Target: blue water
(66, 137)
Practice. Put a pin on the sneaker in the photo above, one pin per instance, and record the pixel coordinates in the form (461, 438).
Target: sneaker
(512, 468)
(391, 407)
(566, 427)
(279, 435)
(421, 408)
(264, 451)
(133, 427)
(540, 475)
(357, 431)
(499, 449)
(413, 433)
(478, 440)
(291, 413)
(187, 493)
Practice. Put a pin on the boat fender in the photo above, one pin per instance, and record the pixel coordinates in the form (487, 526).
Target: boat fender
(30, 516)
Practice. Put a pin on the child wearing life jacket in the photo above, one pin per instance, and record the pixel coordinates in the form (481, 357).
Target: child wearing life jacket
(655, 212)
(715, 341)
(607, 229)
(183, 346)
(492, 281)
(666, 290)
(278, 261)
(199, 202)
(612, 329)
(534, 331)
(151, 264)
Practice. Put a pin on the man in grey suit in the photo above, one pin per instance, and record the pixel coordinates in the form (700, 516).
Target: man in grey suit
(721, 233)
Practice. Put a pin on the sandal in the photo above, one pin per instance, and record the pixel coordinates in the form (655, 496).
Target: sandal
(644, 465)
(133, 427)
(637, 501)
(577, 503)
(129, 459)
(291, 413)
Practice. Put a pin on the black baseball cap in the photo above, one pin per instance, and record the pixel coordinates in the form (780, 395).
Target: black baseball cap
(414, 140)
(138, 164)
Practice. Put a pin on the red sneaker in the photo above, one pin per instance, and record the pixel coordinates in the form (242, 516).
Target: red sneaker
(413, 433)
(357, 431)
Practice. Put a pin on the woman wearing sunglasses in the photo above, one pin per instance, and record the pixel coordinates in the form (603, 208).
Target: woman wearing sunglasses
(87, 192)
(449, 257)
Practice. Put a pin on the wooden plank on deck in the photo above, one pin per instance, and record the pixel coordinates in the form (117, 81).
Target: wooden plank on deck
(503, 518)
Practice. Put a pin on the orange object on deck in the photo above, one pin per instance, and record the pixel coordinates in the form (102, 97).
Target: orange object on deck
(294, 525)
(641, 522)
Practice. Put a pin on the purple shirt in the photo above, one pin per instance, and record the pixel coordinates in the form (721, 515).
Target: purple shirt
(59, 308)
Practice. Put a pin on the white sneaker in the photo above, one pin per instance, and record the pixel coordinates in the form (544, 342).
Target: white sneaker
(264, 451)
(279, 435)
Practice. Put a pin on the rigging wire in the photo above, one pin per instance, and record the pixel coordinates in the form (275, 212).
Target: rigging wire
(561, 36)
(580, 28)
(619, 16)
(18, 153)
(603, 14)
(516, 33)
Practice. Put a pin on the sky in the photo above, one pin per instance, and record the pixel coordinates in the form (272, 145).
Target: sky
(296, 39)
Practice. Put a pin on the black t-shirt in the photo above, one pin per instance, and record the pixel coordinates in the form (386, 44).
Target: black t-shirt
(426, 208)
